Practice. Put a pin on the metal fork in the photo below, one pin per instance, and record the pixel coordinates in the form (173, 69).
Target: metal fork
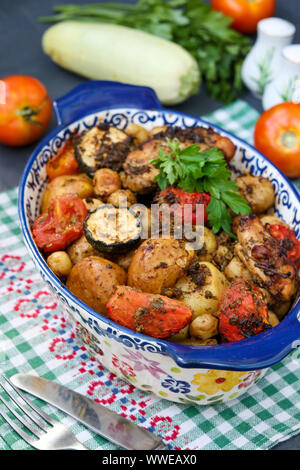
(54, 437)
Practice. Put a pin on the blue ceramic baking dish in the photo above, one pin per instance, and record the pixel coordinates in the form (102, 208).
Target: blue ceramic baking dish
(177, 372)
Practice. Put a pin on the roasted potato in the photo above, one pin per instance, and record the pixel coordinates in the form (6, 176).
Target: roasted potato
(273, 319)
(157, 130)
(209, 246)
(158, 264)
(81, 248)
(80, 185)
(138, 133)
(201, 288)
(204, 326)
(106, 182)
(222, 256)
(281, 309)
(60, 263)
(257, 191)
(237, 270)
(122, 198)
(93, 280)
(181, 335)
(125, 259)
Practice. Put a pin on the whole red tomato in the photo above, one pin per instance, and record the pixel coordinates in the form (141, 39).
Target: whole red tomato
(25, 110)
(277, 136)
(245, 13)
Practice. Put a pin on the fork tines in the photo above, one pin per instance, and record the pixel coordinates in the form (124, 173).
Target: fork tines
(46, 432)
(33, 412)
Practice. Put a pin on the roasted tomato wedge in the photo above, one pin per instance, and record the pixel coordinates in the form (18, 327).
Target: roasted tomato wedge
(152, 314)
(61, 224)
(179, 198)
(288, 241)
(242, 311)
(64, 163)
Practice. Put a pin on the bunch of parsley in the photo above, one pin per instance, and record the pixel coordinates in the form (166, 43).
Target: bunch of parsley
(193, 170)
(205, 33)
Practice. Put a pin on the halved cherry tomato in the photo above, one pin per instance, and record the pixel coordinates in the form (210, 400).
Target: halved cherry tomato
(277, 136)
(61, 224)
(179, 198)
(152, 314)
(64, 163)
(245, 13)
(25, 110)
(288, 241)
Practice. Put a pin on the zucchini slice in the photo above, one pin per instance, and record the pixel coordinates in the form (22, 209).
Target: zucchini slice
(113, 229)
(102, 146)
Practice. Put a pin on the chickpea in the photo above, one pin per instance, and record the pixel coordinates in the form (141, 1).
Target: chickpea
(60, 263)
(204, 326)
(122, 198)
(138, 133)
(106, 182)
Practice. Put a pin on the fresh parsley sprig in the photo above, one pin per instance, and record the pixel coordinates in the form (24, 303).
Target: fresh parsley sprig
(194, 170)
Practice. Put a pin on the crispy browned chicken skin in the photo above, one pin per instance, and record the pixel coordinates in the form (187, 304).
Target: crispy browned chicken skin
(138, 174)
(265, 259)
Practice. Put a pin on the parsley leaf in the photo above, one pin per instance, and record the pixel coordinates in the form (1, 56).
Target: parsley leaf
(219, 216)
(193, 170)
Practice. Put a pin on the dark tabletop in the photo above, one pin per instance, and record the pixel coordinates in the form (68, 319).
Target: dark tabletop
(21, 53)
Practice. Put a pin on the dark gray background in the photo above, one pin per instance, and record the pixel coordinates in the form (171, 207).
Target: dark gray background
(21, 53)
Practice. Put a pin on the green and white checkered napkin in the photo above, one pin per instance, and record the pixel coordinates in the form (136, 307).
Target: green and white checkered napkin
(37, 339)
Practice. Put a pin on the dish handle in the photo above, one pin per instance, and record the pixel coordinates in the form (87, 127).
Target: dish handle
(251, 354)
(93, 95)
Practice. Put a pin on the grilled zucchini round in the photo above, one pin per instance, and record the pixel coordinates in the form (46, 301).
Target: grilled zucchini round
(113, 229)
(102, 146)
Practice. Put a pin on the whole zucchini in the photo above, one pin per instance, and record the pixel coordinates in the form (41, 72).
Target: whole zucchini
(111, 52)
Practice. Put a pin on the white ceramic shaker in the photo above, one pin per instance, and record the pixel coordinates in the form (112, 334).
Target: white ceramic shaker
(286, 85)
(263, 61)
